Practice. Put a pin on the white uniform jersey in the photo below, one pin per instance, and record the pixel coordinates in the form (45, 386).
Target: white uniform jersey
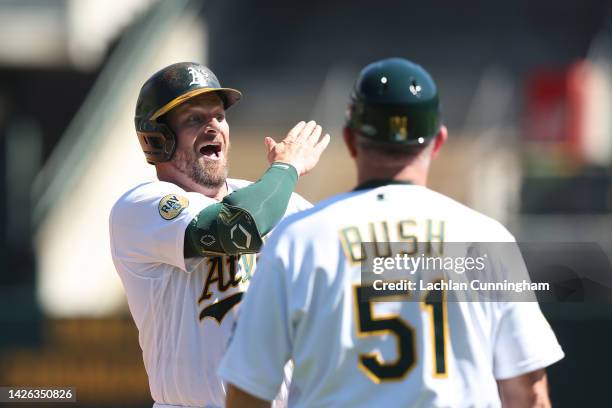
(184, 308)
(302, 305)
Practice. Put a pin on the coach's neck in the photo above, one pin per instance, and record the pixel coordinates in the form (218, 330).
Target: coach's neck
(375, 164)
(368, 172)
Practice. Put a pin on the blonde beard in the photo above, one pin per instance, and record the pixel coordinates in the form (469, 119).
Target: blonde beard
(207, 174)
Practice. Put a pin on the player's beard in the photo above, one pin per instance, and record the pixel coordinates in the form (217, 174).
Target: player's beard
(207, 173)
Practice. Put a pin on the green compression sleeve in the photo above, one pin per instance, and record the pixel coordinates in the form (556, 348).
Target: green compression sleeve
(237, 224)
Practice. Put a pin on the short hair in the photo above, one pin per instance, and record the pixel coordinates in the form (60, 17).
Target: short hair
(389, 149)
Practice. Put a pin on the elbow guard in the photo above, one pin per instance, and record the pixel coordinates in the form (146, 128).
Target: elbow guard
(222, 229)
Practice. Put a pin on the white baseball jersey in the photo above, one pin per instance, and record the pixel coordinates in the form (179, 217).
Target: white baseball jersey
(184, 308)
(302, 305)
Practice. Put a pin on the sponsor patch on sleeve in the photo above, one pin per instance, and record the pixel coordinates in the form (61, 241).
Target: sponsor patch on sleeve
(172, 205)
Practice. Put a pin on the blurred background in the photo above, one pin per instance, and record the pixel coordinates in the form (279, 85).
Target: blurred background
(526, 88)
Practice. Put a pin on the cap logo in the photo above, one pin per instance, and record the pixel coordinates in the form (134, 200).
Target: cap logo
(415, 89)
(198, 77)
(399, 127)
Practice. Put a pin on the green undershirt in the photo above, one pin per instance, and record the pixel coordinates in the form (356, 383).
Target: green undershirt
(237, 224)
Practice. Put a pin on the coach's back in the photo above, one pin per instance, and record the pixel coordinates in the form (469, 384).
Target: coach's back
(328, 294)
(353, 351)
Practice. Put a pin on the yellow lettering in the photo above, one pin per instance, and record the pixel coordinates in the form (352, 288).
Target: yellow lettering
(351, 242)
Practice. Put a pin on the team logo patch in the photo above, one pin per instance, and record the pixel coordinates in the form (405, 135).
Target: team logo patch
(172, 205)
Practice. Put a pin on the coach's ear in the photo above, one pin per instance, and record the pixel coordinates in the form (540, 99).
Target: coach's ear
(439, 141)
(349, 140)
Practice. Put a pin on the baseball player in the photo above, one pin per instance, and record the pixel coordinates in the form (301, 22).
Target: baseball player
(305, 302)
(184, 245)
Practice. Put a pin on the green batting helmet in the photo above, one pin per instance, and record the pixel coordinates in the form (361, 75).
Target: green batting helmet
(162, 92)
(396, 101)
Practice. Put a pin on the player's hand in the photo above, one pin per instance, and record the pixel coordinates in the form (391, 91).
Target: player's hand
(302, 147)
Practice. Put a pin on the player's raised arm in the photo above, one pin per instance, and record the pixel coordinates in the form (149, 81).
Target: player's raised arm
(242, 218)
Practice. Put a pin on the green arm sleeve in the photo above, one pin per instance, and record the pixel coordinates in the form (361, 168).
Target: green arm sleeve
(237, 224)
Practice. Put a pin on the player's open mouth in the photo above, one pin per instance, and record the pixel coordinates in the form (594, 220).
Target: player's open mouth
(212, 151)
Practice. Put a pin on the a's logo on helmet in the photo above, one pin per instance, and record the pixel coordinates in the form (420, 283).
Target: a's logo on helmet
(198, 77)
(398, 125)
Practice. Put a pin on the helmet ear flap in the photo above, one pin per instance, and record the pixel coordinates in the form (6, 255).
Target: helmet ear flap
(157, 141)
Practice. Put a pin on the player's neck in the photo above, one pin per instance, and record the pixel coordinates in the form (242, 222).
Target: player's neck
(187, 184)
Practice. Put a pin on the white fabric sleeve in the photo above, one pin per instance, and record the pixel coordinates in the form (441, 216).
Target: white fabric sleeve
(139, 232)
(260, 345)
(524, 341)
(297, 203)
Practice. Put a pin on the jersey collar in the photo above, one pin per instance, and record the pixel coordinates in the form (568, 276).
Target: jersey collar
(379, 183)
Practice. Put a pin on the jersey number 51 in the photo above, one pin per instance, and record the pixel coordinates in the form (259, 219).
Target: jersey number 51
(367, 324)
